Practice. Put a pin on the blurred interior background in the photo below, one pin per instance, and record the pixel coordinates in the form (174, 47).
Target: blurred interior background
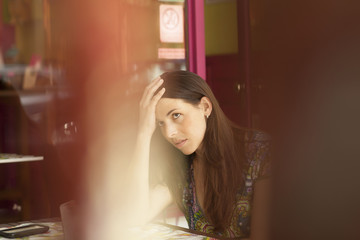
(73, 71)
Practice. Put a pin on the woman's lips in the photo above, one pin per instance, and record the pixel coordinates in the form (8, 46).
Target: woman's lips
(180, 143)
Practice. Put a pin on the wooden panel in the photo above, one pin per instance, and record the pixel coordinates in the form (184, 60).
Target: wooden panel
(224, 77)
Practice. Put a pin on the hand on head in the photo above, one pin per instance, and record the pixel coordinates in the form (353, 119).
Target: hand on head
(147, 122)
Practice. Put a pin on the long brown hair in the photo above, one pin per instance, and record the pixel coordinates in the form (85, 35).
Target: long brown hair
(221, 153)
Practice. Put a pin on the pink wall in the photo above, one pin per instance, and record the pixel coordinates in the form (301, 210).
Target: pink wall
(196, 37)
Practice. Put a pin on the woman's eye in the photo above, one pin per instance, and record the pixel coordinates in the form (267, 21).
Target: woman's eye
(176, 115)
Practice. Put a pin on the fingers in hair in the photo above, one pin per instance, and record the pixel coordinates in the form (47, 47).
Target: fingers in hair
(150, 90)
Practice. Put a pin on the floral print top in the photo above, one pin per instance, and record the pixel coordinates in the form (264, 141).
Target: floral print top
(257, 147)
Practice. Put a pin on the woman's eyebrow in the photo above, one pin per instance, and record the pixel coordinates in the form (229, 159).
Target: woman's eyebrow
(171, 111)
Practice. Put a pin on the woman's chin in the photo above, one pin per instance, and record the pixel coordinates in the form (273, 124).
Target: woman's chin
(187, 151)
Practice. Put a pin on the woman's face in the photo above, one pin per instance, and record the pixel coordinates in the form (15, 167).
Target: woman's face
(181, 123)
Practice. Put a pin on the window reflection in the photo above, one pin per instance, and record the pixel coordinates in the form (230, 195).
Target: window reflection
(60, 58)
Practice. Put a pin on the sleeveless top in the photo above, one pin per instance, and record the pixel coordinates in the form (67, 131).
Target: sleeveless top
(257, 157)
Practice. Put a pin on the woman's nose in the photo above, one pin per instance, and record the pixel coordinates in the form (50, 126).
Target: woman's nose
(170, 130)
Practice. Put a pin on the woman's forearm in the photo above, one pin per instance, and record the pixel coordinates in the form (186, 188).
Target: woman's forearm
(138, 176)
(148, 202)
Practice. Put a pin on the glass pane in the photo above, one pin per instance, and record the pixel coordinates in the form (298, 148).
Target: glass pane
(59, 63)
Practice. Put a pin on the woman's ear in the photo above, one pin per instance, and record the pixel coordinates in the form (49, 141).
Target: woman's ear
(206, 105)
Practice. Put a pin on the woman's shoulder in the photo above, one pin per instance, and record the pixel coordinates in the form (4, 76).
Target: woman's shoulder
(257, 149)
(251, 135)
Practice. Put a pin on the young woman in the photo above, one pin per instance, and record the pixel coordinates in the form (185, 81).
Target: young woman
(218, 173)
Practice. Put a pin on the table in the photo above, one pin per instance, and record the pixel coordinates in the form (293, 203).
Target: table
(20, 190)
(55, 229)
(162, 231)
(15, 158)
(151, 231)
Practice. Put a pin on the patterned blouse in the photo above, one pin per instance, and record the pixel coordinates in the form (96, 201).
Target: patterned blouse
(257, 147)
